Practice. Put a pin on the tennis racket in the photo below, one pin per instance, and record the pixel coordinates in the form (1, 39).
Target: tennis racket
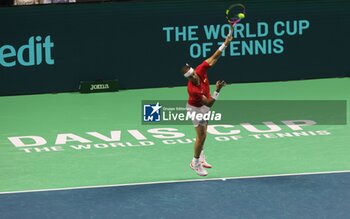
(235, 13)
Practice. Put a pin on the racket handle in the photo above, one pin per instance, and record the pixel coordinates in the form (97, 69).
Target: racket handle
(230, 32)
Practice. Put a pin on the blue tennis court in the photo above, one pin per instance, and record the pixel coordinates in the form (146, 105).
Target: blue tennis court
(300, 196)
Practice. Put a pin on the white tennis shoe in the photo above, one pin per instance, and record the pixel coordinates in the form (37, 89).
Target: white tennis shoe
(205, 164)
(198, 168)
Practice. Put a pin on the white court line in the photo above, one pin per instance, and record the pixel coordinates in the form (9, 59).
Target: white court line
(175, 181)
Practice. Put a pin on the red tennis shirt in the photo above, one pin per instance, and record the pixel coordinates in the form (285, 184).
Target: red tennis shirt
(195, 92)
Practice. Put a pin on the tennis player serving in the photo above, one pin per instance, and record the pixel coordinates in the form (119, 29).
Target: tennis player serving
(200, 101)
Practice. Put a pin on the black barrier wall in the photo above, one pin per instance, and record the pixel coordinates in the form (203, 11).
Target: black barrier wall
(51, 48)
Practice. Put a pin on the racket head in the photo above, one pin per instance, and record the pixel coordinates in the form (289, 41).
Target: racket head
(232, 13)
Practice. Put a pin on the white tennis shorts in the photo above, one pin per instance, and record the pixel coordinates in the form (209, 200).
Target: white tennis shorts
(203, 109)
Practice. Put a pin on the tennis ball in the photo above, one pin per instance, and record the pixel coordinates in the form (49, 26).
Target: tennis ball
(241, 15)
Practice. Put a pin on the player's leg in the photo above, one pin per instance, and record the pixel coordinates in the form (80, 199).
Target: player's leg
(201, 135)
(198, 147)
(202, 159)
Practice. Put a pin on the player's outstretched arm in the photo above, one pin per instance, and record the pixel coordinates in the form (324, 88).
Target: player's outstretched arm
(209, 102)
(214, 58)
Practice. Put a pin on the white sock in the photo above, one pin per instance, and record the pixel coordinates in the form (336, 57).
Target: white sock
(195, 161)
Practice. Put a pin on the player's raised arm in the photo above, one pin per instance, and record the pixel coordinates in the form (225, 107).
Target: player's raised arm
(214, 58)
